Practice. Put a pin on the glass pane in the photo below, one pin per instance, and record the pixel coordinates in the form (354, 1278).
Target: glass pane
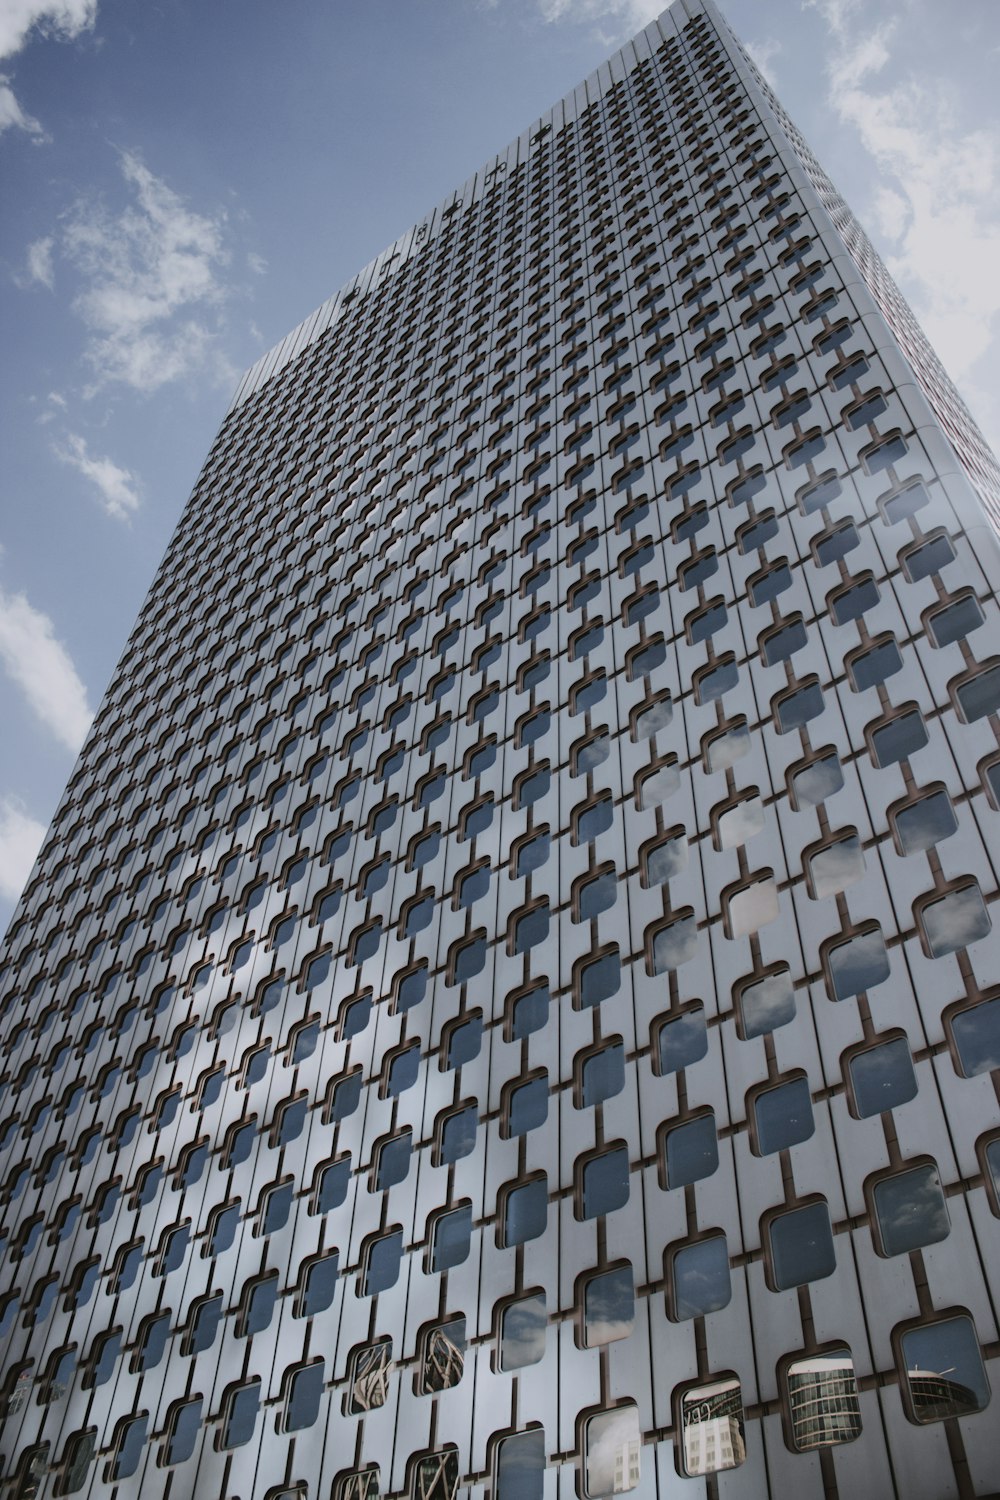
(977, 1037)
(602, 1074)
(393, 1161)
(911, 1210)
(767, 1004)
(605, 1183)
(443, 1356)
(530, 1012)
(450, 1243)
(241, 1415)
(783, 1116)
(526, 1212)
(835, 867)
(458, 1134)
(382, 1263)
(665, 860)
(955, 920)
(858, 964)
(692, 1151)
(522, 1333)
(712, 1419)
(436, 1477)
(369, 1376)
(600, 978)
(608, 1306)
(520, 1466)
(738, 824)
(700, 1278)
(823, 1400)
(528, 1107)
(801, 1245)
(304, 1396)
(612, 1452)
(925, 823)
(943, 1368)
(882, 1077)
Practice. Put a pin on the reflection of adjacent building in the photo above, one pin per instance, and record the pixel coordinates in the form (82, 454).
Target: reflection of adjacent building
(935, 1396)
(370, 1377)
(713, 1428)
(444, 1361)
(627, 1465)
(823, 1395)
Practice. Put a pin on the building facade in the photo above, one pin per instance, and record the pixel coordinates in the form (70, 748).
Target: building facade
(506, 1005)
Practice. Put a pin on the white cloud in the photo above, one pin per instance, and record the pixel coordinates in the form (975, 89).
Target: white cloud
(763, 54)
(12, 116)
(60, 19)
(20, 840)
(152, 284)
(41, 667)
(40, 267)
(116, 486)
(936, 207)
(625, 17)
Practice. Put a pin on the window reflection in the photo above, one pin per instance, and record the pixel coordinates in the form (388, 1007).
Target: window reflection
(443, 1356)
(368, 1377)
(882, 1077)
(520, 1466)
(910, 1210)
(943, 1370)
(801, 1246)
(608, 1306)
(612, 1452)
(976, 1033)
(823, 1400)
(713, 1426)
(698, 1278)
(766, 1003)
(522, 1332)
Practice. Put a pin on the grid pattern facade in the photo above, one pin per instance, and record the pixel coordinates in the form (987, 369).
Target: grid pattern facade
(505, 1004)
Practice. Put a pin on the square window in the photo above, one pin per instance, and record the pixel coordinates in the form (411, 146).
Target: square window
(608, 1306)
(881, 1077)
(689, 1150)
(442, 1356)
(941, 1370)
(697, 1276)
(909, 1210)
(712, 1421)
(612, 1451)
(602, 1182)
(821, 1394)
(799, 1246)
(523, 1325)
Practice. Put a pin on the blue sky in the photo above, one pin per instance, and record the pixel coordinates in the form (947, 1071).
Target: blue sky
(184, 180)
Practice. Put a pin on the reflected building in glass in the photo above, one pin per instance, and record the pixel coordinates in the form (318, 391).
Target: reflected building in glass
(508, 1000)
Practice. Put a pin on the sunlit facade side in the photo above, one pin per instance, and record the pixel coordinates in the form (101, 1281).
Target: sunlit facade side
(506, 1005)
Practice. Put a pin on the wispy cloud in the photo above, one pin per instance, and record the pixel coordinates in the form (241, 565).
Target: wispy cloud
(39, 261)
(117, 487)
(42, 668)
(60, 19)
(615, 20)
(20, 840)
(152, 284)
(13, 117)
(937, 209)
(763, 53)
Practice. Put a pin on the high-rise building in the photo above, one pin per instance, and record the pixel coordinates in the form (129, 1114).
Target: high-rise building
(507, 1003)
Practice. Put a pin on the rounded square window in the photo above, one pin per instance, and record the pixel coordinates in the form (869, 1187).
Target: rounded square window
(816, 780)
(712, 1423)
(607, 1299)
(765, 1003)
(821, 1400)
(881, 1077)
(908, 1209)
(522, 1327)
(602, 1182)
(524, 1212)
(697, 1277)
(975, 1034)
(798, 1246)
(612, 1452)
(781, 1117)
(442, 1356)
(953, 921)
(520, 1466)
(680, 1040)
(941, 1369)
(689, 1150)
